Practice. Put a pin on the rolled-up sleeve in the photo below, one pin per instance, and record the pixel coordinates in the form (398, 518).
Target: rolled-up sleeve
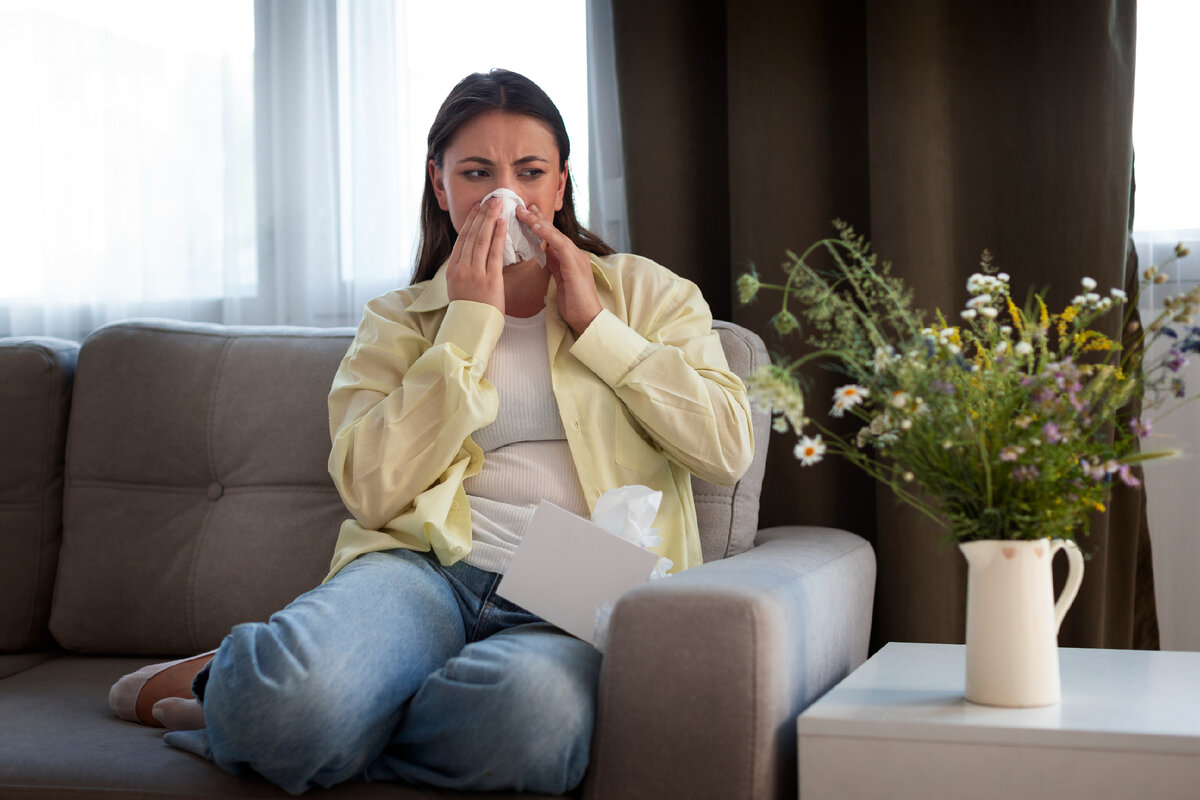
(402, 407)
(673, 378)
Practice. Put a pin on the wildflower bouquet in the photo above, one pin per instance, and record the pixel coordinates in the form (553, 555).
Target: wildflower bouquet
(1003, 426)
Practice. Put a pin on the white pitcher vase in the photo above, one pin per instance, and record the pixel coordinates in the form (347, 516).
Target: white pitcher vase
(1013, 620)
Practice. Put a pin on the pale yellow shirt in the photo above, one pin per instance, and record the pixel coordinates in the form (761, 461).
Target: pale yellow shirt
(645, 394)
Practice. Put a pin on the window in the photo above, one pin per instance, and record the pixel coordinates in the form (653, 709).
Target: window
(127, 152)
(235, 161)
(1166, 125)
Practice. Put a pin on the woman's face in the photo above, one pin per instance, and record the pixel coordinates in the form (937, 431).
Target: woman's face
(499, 150)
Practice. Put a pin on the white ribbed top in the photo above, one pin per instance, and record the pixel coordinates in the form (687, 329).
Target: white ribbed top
(526, 457)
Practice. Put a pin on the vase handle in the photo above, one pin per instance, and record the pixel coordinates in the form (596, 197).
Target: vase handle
(1074, 578)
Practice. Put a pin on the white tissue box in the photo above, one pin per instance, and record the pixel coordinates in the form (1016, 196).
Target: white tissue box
(567, 568)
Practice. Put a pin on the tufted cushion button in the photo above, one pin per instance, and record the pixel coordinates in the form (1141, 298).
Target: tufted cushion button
(215, 490)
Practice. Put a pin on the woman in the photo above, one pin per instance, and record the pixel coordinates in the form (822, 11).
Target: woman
(464, 400)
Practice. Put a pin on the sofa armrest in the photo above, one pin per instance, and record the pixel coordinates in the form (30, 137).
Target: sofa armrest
(705, 672)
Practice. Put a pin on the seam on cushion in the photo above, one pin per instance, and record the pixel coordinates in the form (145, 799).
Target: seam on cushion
(201, 534)
(215, 330)
(40, 546)
(752, 739)
(732, 516)
(307, 488)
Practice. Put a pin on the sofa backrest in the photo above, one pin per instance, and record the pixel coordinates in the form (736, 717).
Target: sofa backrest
(197, 495)
(728, 515)
(35, 398)
(196, 490)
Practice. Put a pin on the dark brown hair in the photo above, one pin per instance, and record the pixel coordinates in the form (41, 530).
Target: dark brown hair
(498, 90)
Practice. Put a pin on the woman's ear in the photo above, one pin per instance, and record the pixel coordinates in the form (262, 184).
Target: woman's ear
(562, 186)
(439, 185)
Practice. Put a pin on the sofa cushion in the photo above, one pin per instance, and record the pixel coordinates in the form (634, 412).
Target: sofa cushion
(197, 495)
(728, 515)
(35, 398)
(61, 740)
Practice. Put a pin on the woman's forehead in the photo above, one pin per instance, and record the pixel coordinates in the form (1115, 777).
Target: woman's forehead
(503, 134)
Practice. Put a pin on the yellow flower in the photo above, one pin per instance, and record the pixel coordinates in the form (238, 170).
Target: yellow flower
(1099, 507)
(1065, 318)
(1086, 341)
(1015, 313)
(1043, 315)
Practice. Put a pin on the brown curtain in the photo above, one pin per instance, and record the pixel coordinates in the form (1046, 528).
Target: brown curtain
(937, 128)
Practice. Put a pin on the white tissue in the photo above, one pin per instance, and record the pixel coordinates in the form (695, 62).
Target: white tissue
(628, 512)
(521, 243)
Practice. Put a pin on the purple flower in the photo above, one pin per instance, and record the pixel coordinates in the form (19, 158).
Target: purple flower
(1127, 477)
(1170, 332)
(1025, 472)
(1051, 432)
(1094, 470)
(1177, 360)
(944, 387)
(1140, 428)
(1011, 453)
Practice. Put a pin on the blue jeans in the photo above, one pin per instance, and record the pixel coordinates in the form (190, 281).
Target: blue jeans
(401, 669)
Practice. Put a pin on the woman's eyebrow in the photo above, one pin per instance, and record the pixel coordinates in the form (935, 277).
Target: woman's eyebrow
(487, 162)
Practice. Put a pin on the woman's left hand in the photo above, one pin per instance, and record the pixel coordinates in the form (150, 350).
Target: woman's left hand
(578, 302)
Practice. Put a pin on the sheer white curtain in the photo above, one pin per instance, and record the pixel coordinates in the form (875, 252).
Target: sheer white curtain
(253, 163)
(329, 195)
(127, 162)
(606, 153)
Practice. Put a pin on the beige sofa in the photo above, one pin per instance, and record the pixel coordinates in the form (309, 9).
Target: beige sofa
(166, 481)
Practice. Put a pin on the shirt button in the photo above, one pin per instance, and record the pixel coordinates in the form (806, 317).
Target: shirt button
(454, 506)
(577, 425)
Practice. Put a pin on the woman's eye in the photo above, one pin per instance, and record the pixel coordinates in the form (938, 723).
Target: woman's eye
(475, 173)
(533, 173)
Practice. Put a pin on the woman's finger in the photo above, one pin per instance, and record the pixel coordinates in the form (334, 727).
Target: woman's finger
(484, 234)
(456, 250)
(543, 227)
(495, 259)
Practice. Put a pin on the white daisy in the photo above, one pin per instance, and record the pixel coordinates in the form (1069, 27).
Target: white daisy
(810, 450)
(848, 396)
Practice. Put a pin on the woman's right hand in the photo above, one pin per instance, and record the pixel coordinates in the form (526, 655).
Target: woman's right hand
(475, 270)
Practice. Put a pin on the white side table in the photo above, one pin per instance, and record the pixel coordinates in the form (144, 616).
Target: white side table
(898, 727)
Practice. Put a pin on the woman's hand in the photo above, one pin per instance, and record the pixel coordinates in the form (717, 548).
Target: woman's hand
(474, 271)
(578, 302)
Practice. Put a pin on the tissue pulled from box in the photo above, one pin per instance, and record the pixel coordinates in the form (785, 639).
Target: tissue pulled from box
(628, 512)
(521, 243)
